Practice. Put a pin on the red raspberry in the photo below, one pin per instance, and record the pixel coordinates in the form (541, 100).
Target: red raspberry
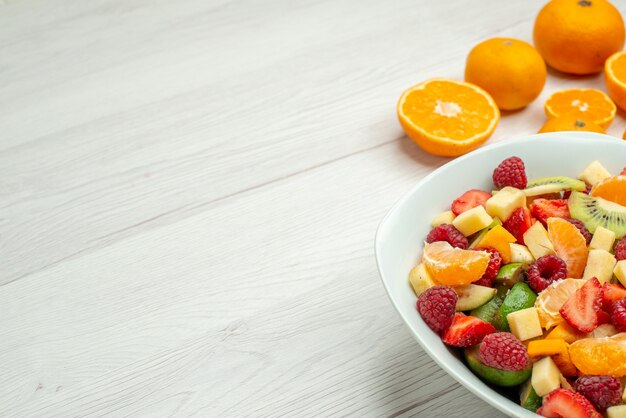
(602, 391)
(620, 249)
(567, 193)
(437, 306)
(492, 268)
(449, 233)
(510, 172)
(503, 351)
(582, 228)
(518, 223)
(546, 270)
(618, 314)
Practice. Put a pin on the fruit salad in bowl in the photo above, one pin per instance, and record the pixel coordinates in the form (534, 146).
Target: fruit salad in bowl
(523, 279)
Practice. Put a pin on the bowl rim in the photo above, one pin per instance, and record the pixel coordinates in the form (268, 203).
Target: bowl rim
(575, 136)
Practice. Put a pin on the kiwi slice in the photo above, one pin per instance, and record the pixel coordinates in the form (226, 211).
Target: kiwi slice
(553, 185)
(529, 398)
(595, 212)
(520, 297)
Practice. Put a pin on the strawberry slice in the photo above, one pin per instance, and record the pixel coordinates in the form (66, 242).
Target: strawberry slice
(469, 200)
(519, 221)
(610, 293)
(542, 209)
(623, 173)
(603, 318)
(562, 403)
(581, 309)
(466, 331)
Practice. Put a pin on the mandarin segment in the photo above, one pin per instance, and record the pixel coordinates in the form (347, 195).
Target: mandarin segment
(569, 244)
(600, 356)
(550, 301)
(453, 266)
(447, 117)
(612, 189)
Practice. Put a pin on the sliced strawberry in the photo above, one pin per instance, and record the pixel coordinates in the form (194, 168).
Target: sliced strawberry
(469, 200)
(519, 221)
(603, 318)
(623, 173)
(565, 403)
(610, 293)
(542, 209)
(466, 331)
(581, 309)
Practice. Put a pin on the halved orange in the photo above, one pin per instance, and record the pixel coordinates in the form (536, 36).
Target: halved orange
(550, 300)
(570, 245)
(454, 266)
(447, 117)
(587, 104)
(611, 188)
(615, 78)
(570, 123)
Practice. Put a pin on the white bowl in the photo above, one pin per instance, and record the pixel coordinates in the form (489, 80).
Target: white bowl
(401, 234)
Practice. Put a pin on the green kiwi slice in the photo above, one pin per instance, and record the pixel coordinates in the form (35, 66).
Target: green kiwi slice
(595, 212)
(552, 185)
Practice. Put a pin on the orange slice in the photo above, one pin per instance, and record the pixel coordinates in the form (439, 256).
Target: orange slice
(615, 78)
(570, 245)
(611, 188)
(454, 266)
(550, 301)
(600, 355)
(570, 123)
(588, 104)
(447, 117)
(500, 239)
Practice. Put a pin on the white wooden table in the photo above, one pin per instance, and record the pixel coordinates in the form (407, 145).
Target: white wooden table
(189, 192)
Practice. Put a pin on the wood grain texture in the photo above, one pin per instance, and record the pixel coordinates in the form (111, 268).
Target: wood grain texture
(188, 198)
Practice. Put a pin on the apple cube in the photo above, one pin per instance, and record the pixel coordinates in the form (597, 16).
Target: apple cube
(520, 254)
(525, 323)
(472, 221)
(604, 330)
(594, 173)
(421, 279)
(603, 239)
(600, 264)
(504, 202)
(545, 376)
(537, 240)
(443, 218)
(617, 411)
(620, 272)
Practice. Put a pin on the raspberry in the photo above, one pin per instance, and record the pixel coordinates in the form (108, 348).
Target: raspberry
(546, 270)
(503, 351)
(510, 172)
(620, 249)
(449, 233)
(618, 314)
(437, 306)
(567, 193)
(582, 228)
(492, 268)
(601, 391)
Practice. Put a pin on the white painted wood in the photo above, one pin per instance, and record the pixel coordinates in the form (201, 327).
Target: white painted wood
(188, 197)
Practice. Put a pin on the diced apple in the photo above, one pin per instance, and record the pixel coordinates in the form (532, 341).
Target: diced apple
(604, 330)
(421, 279)
(503, 203)
(545, 377)
(472, 220)
(617, 411)
(600, 264)
(443, 218)
(620, 272)
(520, 254)
(537, 241)
(603, 239)
(594, 173)
(525, 323)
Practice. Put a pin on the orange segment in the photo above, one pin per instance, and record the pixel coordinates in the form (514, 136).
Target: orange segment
(550, 301)
(557, 349)
(447, 117)
(588, 104)
(454, 266)
(498, 238)
(615, 78)
(566, 332)
(604, 355)
(611, 188)
(569, 244)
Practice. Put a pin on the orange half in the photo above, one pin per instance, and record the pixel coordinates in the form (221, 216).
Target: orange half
(570, 245)
(454, 266)
(615, 78)
(447, 117)
(611, 188)
(586, 104)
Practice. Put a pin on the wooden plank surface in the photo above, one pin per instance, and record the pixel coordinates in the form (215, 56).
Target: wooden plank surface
(188, 197)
